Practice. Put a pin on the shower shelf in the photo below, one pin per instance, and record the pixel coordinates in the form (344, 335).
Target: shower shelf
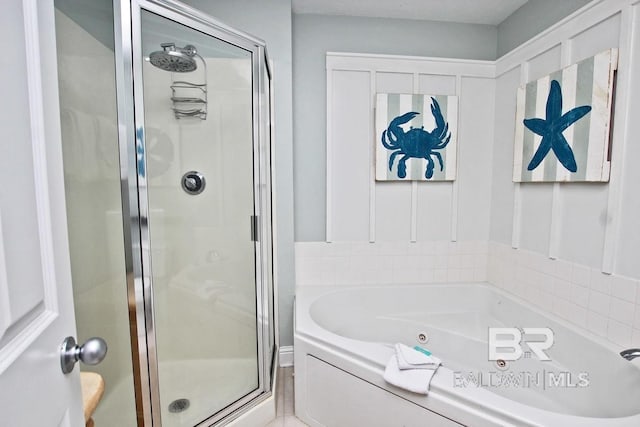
(189, 99)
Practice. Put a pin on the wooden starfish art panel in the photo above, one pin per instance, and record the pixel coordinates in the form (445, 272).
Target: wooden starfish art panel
(563, 123)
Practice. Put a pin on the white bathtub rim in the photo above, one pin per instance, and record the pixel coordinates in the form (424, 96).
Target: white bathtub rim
(437, 400)
(479, 401)
(372, 357)
(315, 292)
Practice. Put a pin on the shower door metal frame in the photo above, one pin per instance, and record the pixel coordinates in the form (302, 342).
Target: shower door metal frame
(131, 132)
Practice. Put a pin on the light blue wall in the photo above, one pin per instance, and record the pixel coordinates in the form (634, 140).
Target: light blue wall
(533, 17)
(95, 17)
(270, 20)
(313, 36)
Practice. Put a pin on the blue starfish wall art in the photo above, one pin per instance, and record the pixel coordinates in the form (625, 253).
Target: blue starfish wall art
(562, 128)
(551, 129)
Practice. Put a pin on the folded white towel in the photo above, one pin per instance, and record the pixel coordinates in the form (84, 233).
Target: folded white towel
(410, 369)
(409, 358)
(414, 380)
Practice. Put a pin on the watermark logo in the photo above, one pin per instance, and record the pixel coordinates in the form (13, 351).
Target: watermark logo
(521, 379)
(507, 343)
(511, 344)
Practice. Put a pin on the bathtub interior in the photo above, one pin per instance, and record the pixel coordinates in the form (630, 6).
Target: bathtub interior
(456, 319)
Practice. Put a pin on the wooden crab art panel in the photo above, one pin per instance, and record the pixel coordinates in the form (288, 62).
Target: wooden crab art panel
(416, 137)
(563, 123)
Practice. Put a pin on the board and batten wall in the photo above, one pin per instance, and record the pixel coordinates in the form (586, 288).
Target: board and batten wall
(362, 209)
(572, 248)
(568, 248)
(585, 223)
(314, 36)
(403, 232)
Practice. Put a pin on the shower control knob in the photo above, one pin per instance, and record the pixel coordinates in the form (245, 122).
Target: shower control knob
(193, 182)
(92, 352)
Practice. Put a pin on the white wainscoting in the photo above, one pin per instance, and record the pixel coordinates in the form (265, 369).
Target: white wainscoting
(361, 209)
(583, 223)
(587, 223)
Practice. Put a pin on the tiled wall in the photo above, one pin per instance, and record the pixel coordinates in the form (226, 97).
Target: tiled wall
(359, 263)
(606, 305)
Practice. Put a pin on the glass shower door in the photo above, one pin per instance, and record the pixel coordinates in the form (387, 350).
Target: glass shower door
(196, 167)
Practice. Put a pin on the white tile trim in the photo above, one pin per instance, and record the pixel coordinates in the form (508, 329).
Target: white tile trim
(556, 286)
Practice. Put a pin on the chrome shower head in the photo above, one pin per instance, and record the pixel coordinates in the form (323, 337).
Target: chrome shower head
(175, 59)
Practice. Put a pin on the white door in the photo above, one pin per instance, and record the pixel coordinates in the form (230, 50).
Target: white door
(36, 307)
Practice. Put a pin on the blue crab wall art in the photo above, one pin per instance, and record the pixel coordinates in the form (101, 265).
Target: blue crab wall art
(418, 143)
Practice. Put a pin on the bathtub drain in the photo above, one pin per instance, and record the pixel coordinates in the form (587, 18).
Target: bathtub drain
(179, 405)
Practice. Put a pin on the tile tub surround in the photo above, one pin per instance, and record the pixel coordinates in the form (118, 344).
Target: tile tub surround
(361, 263)
(606, 305)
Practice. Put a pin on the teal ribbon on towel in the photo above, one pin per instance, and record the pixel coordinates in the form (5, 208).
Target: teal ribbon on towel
(422, 350)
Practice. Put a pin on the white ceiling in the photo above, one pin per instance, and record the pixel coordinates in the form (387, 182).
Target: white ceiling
(490, 12)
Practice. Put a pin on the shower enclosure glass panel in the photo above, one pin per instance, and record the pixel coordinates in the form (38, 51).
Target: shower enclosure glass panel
(198, 153)
(87, 93)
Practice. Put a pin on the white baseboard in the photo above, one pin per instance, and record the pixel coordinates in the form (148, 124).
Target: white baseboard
(286, 356)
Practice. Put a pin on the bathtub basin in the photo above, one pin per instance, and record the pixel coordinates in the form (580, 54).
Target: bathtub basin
(344, 336)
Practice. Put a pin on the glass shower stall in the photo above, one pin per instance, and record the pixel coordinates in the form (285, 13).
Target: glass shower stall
(196, 178)
(193, 133)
